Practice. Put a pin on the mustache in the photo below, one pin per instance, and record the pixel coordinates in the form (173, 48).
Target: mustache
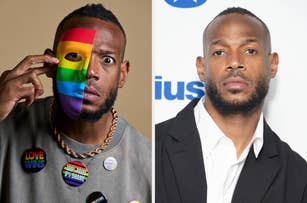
(236, 73)
(91, 83)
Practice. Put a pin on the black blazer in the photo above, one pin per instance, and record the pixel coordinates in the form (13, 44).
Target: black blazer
(278, 175)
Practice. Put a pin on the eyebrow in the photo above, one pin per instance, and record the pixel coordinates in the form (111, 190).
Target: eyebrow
(104, 52)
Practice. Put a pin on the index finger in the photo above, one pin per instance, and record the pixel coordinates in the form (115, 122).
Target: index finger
(44, 70)
(28, 61)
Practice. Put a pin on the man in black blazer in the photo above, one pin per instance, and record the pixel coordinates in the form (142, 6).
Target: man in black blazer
(219, 149)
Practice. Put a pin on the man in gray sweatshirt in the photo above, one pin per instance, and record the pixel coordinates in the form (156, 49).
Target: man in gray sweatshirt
(72, 147)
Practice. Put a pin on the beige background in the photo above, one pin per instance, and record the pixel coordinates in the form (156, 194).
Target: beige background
(28, 27)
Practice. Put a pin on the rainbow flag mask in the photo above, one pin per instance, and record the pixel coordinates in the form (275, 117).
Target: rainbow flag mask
(74, 52)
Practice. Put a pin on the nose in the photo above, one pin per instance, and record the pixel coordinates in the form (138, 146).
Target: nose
(92, 70)
(235, 62)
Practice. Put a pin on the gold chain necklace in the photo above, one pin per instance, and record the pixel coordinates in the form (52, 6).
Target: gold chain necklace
(92, 153)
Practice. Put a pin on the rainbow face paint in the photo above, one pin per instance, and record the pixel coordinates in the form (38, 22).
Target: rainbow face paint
(74, 52)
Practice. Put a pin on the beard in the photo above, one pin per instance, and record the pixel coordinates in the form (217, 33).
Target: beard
(104, 108)
(87, 115)
(226, 107)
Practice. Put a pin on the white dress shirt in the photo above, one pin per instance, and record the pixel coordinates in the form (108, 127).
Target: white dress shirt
(222, 167)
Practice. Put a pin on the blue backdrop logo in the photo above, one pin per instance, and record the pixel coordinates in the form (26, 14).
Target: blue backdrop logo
(185, 3)
(177, 90)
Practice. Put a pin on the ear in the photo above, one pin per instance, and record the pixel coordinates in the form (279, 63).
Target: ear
(50, 53)
(124, 70)
(273, 64)
(200, 65)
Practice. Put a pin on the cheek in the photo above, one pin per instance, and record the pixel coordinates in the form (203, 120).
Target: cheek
(258, 68)
(256, 62)
(75, 73)
(109, 79)
(213, 71)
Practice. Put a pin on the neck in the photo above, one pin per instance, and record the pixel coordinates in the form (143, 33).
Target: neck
(240, 128)
(87, 132)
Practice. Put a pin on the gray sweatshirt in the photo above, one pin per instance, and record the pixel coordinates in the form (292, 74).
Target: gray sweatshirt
(26, 128)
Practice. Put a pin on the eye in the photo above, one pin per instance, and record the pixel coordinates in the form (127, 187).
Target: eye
(218, 53)
(251, 51)
(73, 57)
(107, 60)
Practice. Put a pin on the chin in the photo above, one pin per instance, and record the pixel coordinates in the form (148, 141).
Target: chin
(237, 98)
(89, 108)
(92, 116)
(94, 112)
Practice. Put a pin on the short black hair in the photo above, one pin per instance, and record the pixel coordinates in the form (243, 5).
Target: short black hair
(95, 11)
(243, 11)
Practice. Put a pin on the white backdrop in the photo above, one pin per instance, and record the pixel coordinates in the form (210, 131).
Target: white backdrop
(177, 41)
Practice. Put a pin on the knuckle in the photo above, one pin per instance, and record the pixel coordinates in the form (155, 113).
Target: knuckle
(5, 73)
(29, 59)
(32, 73)
(4, 77)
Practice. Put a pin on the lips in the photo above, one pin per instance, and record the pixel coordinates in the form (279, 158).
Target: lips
(235, 83)
(90, 93)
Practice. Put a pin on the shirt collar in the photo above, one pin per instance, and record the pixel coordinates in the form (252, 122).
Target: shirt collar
(257, 139)
(208, 126)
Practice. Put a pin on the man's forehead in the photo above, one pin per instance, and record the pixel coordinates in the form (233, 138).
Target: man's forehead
(233, 19)
(80, 34)
(231, 23)
(107, 33)
(87, 22)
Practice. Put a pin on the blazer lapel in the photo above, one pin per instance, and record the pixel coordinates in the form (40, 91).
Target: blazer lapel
(258, 174)
(185, 154)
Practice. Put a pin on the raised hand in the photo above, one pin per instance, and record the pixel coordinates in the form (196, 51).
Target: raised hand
(22, 82)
